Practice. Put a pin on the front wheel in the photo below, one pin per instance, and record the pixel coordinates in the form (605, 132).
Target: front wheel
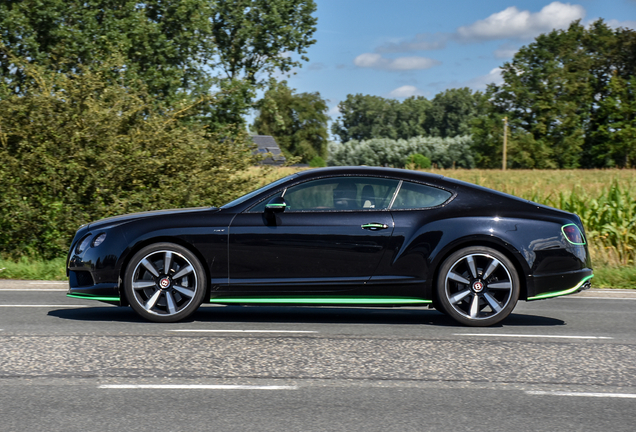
(478, 286)
(164, 282)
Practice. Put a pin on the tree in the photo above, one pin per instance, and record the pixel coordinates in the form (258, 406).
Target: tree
(163, 42)
(366, 117)
(555, 93)
(257, 36)
(615, 138)
(298, 122)
(174, 47)
(451, 112)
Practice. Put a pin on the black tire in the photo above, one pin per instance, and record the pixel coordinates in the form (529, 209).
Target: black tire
(165, 282)
(478, 286)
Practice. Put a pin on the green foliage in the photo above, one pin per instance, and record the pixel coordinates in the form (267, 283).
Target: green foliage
(251, 36)
(173, 47)
(610, 220)
(449, 114)
(33, 269)
(317, 162)
(364, 117)
(615, 138)
(569, 98)
(419, 161)
(298, 122)
(443, 152)
(85, 145)
(151, 36)
(452, 111)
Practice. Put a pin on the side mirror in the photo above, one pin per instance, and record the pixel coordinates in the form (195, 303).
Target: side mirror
(276, 205)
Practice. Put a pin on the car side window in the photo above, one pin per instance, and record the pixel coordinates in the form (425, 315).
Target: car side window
(337, 193)
(417, 196)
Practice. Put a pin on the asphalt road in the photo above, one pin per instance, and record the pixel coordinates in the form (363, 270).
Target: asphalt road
(566, 364)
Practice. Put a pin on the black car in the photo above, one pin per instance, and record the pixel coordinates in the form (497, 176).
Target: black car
(355, 236)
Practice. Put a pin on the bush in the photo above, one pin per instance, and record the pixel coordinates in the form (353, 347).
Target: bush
(419, 161)
(443, 152)
(317, 162)
(84, 146)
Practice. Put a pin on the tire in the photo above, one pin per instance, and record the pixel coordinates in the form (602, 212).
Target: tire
(165, 282)
(478, 286)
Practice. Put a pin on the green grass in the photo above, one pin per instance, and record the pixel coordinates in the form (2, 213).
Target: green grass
(612, 277)
(33, 269)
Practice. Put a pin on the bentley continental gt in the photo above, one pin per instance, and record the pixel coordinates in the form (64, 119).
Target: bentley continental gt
(340, 236)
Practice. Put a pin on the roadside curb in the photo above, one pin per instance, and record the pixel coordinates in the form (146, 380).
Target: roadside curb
(14, 284)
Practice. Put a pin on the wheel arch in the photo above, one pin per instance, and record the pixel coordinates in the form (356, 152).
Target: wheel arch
(491, 242)
(162, 239)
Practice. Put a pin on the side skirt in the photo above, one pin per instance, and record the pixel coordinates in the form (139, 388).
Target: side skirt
(326, 301)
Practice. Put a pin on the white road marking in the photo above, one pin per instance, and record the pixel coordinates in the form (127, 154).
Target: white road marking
(604, 298)
(243, 331)
(42, 306)
(531, 336)
(602, 395)
(34, 289)
(195, 387)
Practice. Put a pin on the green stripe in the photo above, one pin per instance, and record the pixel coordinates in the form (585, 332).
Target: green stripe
(92, 297)
(323, 300)
(562, 293)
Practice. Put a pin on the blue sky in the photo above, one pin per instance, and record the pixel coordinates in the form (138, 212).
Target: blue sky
(399, 48)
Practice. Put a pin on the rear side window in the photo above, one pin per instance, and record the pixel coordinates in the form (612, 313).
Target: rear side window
(417, 196)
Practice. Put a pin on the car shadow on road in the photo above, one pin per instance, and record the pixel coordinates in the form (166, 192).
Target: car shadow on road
(301, 315)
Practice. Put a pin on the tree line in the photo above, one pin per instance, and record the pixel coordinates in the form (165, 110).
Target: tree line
(569, 98)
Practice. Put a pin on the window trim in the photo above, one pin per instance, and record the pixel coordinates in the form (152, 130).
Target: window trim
(387, 208)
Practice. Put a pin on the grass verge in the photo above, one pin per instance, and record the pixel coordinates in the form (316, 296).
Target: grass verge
(33, 269)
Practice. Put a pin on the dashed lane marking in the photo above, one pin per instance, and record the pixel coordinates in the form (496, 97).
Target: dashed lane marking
(580, 394)
(42, 306)
(531, 336)
(243, 331)
(194, 387)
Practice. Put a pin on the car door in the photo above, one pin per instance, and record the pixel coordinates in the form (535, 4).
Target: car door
(330, 236)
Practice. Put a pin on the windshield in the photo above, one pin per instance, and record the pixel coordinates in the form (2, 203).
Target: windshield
(252, 194)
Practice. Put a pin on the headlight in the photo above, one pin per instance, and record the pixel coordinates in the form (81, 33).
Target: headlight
(83, 244)
(99, 239)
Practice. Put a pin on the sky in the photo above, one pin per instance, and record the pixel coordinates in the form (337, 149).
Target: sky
(402, 48)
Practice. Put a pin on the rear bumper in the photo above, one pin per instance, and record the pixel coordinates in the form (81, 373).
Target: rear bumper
(561, 284)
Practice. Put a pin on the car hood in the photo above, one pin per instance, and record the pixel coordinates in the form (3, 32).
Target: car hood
(118, 220)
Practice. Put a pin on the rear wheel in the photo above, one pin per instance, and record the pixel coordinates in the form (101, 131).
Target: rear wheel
(478, 286)
(165, 282)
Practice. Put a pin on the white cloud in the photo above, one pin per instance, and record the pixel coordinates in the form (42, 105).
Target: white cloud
(421, 42)
(480, 83)
(506, 51)
(334, 111)
(404, 92)
(376, 61)
(513, 23)
(625, 24)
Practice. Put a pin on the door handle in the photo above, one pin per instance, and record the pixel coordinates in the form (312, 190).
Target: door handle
(375, 226)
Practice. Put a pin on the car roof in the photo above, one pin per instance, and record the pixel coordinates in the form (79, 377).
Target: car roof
(373, 171)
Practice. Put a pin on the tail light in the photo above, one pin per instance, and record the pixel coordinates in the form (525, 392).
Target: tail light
(573, 234)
